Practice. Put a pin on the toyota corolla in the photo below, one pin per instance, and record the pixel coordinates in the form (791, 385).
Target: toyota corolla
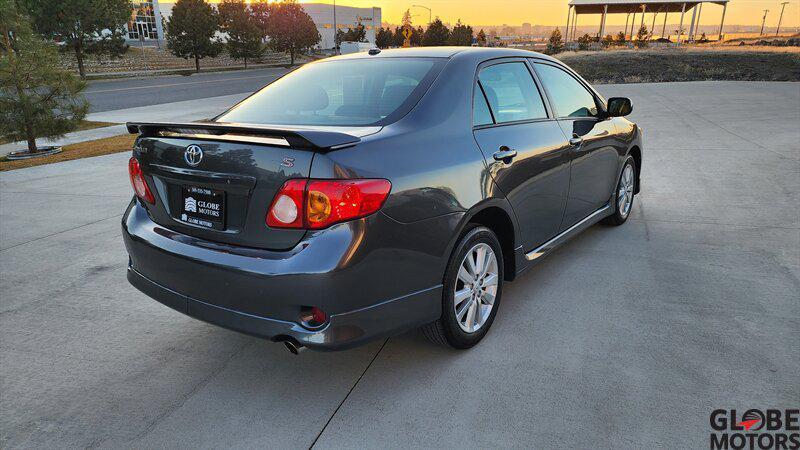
(361, 196)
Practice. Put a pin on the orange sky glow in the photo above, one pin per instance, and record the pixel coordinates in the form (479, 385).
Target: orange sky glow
(554, 12)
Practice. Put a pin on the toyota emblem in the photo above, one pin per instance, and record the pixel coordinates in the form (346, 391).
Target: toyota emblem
(193, 155)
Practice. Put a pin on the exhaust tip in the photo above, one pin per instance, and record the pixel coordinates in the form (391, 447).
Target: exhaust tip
(293, 348)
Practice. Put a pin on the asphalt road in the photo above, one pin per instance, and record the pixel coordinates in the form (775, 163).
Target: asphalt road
(108, 95)
(627, 337)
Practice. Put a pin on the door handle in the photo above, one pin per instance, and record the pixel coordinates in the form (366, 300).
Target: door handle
(505, 154)
(576, 140)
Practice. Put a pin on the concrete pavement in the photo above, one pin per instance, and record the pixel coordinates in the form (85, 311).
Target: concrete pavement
(627, 337)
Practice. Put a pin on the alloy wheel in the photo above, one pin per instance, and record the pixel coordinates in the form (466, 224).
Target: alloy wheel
(476, 288)
(625, 191)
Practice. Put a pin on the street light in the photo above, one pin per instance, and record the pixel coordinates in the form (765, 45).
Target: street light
(424, 7)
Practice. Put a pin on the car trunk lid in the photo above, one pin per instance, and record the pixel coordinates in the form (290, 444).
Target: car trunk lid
(216, 181)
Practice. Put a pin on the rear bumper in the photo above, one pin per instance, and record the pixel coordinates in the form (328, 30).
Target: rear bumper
(342, 332)
(261, 292)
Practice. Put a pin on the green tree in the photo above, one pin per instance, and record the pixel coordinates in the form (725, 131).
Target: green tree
(383, 38)
(417, 34)
(461, 35)
(261, 11)
(481, 38)
(641, 37)
(357, 34)
(291, 29)
(556, 43)
(584, 42)
(397, 37)
(85, 26)
(191, 30)
(436, 34)
(244, 32)
(621, 38)
(37, 99)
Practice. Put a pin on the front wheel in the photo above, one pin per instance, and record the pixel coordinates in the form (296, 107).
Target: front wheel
(623, 197)
(472, 290)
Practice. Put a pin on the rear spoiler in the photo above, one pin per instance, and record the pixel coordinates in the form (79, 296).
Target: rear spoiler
(317, 139)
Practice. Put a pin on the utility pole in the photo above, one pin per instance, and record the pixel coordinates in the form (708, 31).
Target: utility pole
(335, 30)
(763, 21)
(780, 19)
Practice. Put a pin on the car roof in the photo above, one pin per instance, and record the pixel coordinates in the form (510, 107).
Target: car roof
(477, 53)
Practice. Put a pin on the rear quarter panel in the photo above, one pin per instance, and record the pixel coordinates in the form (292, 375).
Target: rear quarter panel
(438, 174)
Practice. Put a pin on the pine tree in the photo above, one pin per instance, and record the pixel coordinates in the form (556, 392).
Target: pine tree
(191, 30)
(641, 37)
(556, 42)
(37, 98)
(383, 38)
(461, 35)
(436, 34)
(584, 42)
(481, 38)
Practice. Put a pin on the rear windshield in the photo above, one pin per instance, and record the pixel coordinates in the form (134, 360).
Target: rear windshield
(357, 92)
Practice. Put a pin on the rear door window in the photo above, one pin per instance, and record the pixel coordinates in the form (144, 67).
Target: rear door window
(567, 95)
(511, 92)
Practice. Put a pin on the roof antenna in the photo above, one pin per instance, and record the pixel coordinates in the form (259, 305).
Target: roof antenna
(374, 51)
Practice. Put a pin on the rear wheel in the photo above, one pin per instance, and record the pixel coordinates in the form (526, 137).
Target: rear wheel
(623, 197)
(472, 290)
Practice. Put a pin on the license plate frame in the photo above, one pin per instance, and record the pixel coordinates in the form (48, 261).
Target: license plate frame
(202, 207)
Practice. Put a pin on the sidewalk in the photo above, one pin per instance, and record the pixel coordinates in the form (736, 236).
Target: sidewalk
(71, 138)
(186, 111)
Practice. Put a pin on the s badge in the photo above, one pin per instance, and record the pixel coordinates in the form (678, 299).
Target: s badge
(287, 162)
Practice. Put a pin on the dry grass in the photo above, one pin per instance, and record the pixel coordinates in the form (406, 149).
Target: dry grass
(84, 125)
(98, 147)
(687, 64)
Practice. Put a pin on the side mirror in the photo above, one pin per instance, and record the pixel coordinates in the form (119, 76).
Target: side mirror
(619, 106)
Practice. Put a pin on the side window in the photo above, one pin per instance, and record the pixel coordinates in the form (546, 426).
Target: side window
(567, 95)
(480, 110)
(511, 92)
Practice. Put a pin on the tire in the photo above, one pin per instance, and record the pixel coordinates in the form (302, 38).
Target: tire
(623, 194)
(454, 329)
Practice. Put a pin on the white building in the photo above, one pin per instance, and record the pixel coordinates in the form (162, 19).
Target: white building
(346, 17)
(146, 20)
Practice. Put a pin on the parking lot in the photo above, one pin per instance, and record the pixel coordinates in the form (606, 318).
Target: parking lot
(626, 337)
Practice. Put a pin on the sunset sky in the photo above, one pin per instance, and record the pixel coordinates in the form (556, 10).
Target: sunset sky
(554, 12)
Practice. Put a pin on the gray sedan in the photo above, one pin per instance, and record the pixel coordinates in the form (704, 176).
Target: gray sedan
(361, 196)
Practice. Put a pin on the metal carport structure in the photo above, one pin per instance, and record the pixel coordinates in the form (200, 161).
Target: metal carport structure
(605, 7)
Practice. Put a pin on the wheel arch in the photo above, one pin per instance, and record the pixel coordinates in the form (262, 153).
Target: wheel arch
(636, 153)
(497, 215)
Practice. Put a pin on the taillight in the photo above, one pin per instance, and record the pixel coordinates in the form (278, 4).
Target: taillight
(137, 181)
(287, 208)
(316, 204)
